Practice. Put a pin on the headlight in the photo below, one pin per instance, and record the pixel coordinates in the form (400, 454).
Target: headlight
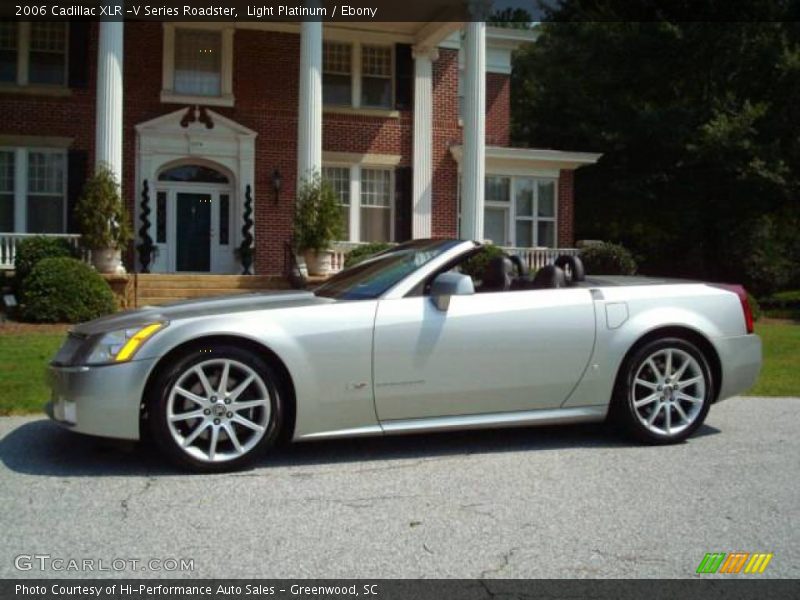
(121, 345)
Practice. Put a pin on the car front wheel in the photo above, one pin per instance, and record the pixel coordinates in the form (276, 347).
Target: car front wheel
(664, 392)
(215, 409)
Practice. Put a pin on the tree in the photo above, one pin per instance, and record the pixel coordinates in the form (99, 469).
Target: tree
(697, 123)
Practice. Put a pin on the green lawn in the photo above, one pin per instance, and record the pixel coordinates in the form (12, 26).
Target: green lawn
(24, 356)
(780, 375)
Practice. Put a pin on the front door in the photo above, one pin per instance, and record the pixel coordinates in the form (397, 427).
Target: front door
(194, 232)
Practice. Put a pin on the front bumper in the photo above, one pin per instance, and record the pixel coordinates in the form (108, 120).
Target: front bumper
(740, 358)
(99, 400)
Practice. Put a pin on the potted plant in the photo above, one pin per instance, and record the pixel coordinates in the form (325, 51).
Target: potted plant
(317, 222)
(103, 221)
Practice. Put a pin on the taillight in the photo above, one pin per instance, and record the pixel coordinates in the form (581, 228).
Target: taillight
(746, 310)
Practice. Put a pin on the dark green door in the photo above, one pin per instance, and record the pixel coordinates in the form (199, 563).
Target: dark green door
(194, 232)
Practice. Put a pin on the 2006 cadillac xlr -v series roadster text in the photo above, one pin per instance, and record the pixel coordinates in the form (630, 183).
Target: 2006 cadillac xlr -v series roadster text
(408, 342)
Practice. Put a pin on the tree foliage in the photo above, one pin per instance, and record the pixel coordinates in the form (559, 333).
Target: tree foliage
(698, 125)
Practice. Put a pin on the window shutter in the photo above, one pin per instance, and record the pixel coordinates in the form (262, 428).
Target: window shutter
(78, 74)
(403, 76)
(77, 161)
(403, 204)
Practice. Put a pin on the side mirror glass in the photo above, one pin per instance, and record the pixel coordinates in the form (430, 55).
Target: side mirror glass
(450, 284)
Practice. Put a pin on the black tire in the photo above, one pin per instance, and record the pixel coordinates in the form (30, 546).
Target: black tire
(180, 367)
(627, 394)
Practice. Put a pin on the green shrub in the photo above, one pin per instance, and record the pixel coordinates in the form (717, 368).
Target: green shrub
(475, 265)
(755, 307)
(605, 258)
(65, 290)
(31, 250)
(362, 253)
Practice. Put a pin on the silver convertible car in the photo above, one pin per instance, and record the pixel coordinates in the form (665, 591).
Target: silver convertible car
(411, 340)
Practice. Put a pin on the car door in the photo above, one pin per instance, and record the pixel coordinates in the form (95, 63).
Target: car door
(488, 353)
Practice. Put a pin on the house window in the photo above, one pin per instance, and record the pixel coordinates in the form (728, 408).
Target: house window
(367, 198)
(198, 65)
(33, 53)
(496, 210)
(337, 74)
(161, 218)
(520, 211)
(8, 52)
(357, 75)
(376, 205)
(376, 81)
(33, 183)
(6, 190)
(339, 178)
(46, 185)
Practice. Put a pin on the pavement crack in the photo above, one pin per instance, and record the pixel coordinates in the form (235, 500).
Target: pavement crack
(631, 558)
(505, 558)
(125, 502)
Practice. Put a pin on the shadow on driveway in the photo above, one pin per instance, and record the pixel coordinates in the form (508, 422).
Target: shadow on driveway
(43, 448)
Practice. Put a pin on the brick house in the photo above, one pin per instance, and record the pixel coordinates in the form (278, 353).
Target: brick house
(409, 121)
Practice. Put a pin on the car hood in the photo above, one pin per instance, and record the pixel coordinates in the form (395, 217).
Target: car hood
(201, 307)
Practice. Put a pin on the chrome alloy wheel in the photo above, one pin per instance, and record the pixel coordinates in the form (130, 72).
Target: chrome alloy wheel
(218, 410)
(668, 391)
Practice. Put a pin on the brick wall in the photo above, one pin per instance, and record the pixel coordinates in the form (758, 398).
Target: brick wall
(566, 208)
(446, 132)
(498, 109)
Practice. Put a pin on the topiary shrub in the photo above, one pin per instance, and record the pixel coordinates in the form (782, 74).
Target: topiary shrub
(605, 258)
(475, 265)
(65, 290)
(362, 253)
(31, 250)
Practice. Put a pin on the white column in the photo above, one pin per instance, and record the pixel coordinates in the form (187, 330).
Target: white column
(309, 112)
(108, 123)
(423, 141)
(473, 165)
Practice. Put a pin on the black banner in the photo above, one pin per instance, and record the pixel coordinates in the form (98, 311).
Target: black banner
(737, 588)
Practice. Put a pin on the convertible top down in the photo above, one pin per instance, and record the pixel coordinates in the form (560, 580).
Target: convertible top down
(408, 341)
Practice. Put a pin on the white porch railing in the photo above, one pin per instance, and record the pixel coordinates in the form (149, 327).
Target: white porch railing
(535, 258)
(10, 241)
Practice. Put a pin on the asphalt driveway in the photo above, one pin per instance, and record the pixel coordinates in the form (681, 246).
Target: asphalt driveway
(555, 502)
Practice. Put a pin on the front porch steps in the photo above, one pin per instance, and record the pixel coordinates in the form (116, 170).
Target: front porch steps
(160, 288)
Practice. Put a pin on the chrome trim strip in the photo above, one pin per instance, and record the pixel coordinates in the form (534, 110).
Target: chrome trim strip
(523, 418)
(366, 430)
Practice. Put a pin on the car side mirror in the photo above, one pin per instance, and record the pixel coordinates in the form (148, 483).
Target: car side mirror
(450, 284)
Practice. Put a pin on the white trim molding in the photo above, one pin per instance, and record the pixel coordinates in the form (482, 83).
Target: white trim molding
(228, 147)
(531, 161)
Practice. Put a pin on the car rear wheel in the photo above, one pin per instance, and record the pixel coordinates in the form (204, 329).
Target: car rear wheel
(215, 409)
(664, 392)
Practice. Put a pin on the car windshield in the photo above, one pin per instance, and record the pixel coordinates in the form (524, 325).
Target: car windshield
(373, 277)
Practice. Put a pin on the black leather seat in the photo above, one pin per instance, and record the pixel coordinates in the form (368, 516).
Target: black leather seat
(573, 268)
(549, 276)
(497, 275)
